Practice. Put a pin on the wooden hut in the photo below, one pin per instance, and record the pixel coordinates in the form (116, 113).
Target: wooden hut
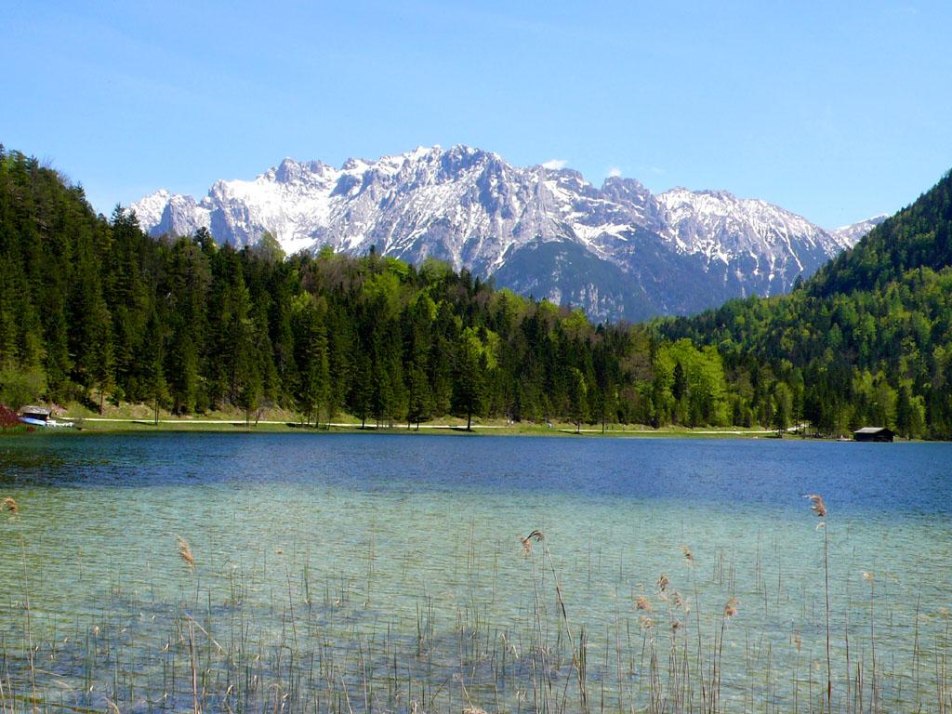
(874, 433)
(35, 416)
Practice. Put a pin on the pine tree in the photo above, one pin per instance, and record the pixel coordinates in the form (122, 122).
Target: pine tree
(313, 366)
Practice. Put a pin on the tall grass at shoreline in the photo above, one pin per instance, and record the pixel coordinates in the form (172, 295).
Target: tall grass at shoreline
(503, 623)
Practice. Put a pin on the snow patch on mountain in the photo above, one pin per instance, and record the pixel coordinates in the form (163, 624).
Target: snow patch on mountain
(852, 234)
(473, 209)
(776, 245)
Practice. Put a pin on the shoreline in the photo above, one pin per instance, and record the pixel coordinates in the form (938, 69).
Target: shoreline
(237, 424)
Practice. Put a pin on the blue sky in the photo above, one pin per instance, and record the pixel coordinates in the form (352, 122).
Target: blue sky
(835, 110)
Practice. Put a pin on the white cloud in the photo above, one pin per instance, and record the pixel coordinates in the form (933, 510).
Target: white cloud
(555, 164)
(614, 172)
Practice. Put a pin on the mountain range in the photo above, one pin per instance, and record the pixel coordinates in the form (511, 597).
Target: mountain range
(618, 251)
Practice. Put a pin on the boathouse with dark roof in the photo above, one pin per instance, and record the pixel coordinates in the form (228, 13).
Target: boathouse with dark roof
(874, 433)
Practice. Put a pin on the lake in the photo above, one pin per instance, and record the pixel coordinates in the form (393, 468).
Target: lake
(396, 573)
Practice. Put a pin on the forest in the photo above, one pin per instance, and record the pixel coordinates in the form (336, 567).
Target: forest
(866, 341)
(94, 311)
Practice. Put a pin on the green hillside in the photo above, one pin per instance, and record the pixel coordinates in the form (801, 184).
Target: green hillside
(919, 236)
(866, 341)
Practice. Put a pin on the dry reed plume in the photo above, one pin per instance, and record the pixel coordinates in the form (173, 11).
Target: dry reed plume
(730, 609)
(688, 555)
(11, 505)
(642, 603)
(663, 582)
(185, 551)
(528, 540)
(680, 602)
(817, 504)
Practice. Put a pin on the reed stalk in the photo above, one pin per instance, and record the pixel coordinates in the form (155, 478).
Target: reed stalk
(915, 651)
(819, 509)
(874, 699)
(196, 709)
(28, 621)
(699, 666)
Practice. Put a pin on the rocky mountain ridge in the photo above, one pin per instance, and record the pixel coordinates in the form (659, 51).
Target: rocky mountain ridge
(618, 251)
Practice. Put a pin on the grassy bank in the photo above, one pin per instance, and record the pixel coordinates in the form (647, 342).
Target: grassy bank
(131, 418)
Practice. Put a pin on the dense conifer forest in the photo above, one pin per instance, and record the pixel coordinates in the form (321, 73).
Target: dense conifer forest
(93, 310)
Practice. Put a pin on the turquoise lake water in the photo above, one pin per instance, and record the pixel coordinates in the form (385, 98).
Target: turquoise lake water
(387, 572)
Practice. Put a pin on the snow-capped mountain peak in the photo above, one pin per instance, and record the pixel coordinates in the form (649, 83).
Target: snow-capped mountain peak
(473, 209)
(722, 226)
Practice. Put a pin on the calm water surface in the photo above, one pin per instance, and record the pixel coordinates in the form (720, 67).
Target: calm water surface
(387, 572)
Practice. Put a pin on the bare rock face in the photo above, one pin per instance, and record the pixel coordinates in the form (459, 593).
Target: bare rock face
(618, 251)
